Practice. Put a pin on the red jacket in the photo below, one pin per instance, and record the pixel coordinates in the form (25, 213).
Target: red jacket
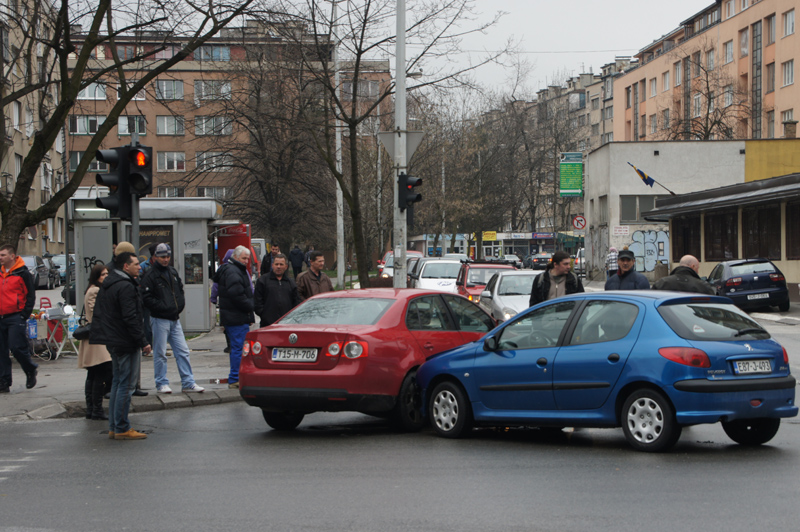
(17, 293)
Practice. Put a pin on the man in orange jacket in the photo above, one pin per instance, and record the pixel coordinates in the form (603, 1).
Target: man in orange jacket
(17, 297)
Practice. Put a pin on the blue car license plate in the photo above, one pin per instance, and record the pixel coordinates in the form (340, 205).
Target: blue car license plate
(748, 367)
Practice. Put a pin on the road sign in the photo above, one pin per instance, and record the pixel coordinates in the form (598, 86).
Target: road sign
(571, 173)
(579, 222)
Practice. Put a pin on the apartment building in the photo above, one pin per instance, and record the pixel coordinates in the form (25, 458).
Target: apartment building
(726, 72)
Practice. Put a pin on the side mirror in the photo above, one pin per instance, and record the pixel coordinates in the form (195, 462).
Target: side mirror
(486, 295)
(490, 344)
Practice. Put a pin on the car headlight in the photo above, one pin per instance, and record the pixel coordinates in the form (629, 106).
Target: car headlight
(385, 275)
(508, 313)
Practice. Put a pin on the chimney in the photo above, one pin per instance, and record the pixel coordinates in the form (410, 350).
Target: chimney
(790, 129)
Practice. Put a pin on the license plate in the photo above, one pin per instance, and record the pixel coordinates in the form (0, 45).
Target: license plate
(746, 367)
(292, 354)
(758, 296)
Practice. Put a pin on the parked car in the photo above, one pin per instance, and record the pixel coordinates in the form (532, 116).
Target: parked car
(541, 260)
(353, 350)
(39, 270)
(579, 264)
(507, 294)
(413, 272)
(388, 267)
(590, 360)
(61, 261)
(474, 275)
(53, 276)
(438, 275)
(382, 261)
(751, 283)
(513, 258)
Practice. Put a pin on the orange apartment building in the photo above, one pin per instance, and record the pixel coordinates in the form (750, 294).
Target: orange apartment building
(726, 72)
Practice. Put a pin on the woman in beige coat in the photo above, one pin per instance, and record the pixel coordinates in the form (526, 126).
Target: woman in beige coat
(94, 358)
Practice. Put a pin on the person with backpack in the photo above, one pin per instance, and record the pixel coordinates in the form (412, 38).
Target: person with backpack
(557, 280)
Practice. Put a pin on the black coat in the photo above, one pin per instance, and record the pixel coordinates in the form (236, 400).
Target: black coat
(162, 292)
(683, 279)
(275, 297)
(234, 294)
(297, 258)
(631, 280)
(541, 286)
(118, 320)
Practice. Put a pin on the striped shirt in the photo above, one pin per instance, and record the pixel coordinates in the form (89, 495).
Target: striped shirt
(611, 261)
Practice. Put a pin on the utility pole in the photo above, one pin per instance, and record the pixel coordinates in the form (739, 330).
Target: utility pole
(341, 260)
(400, 158)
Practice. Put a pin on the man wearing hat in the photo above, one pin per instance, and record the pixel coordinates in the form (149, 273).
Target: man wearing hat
(162, 292)
(627, 278)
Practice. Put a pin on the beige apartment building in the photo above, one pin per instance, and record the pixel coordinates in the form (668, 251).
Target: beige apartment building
(726, 72)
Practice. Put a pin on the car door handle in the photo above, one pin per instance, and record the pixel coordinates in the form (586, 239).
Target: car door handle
(541, 362)
(429, 346)
(613, 357)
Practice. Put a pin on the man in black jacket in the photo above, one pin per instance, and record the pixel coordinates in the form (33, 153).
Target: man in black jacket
(556, 280)
(276, 294)
(297, 258)
(162, 292)
(266, 262)
(235, 306)
(118, 324)
(684, 278)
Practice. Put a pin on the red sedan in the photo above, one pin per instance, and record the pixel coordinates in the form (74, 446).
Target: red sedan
(354, 350)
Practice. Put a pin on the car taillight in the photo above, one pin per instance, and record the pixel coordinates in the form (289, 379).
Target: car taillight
(688, 356)
(256, 348)
(355, 349)
(785, 355)
(734, 281)
(776, 277)
(334, 349)
(470, 297)
(246, 348)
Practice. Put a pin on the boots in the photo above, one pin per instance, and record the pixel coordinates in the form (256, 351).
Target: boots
(89, 397)
(98, 389)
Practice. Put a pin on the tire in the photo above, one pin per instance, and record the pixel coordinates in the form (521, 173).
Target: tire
(407, 413)
(450, 411)
(752, 431)
(283, 420)
(50, 284)
(784, 307)
(648, 421)
(36, 282)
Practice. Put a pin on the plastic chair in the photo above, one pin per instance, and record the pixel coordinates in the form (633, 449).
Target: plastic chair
(44, 303)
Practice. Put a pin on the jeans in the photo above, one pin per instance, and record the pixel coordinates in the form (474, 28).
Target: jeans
(170, 331)
(236, 333)
(14, 338)
(123, 383)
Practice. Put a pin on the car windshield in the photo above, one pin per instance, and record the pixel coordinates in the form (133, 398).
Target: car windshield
(389, 262)
(441, 270)
(339, 311)
(515, 285)
(482, 275)
(711, 322)
(748, 268)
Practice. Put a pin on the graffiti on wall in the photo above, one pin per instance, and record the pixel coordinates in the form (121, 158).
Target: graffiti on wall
(650, 248)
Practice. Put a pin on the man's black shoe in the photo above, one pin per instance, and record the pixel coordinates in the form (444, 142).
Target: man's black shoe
(226, 350)
(31, 382)
(5, 389)
(139, 393)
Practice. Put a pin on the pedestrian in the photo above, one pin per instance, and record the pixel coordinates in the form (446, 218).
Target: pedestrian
(266, 263)
(95, 358)
(118, 323)
(314, 281)
(162, 293)
(121, 247)
(17, 297)
(214, 299)
(685, 278)
(276, 293)
(307, 259)
(611, 262)
(145, 266)
(297, 258)
(627, 278)
(235, 306)
(556, 280)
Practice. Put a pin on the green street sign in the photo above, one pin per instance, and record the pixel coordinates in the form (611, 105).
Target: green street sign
(571, 172)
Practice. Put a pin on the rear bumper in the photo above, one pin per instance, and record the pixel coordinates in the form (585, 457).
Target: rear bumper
(776, 297)
(315, 400)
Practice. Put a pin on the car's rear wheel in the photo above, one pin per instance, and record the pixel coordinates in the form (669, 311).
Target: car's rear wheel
(407, 414)
(752, 431)
(648, 421)
(283, 420)
(450, 411)
(784, 307)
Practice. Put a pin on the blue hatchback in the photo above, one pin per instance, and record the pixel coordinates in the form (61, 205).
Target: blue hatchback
(650, 362)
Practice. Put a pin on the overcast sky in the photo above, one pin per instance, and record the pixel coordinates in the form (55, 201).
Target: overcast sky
(575, 35)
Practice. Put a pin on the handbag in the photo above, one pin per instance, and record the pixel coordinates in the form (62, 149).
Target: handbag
(82, 332)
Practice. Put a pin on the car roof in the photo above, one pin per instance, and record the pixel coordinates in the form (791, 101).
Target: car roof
(524, 273)
(657, 297)
(382, 293)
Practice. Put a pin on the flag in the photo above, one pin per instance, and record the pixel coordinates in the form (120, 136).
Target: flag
(645, 178)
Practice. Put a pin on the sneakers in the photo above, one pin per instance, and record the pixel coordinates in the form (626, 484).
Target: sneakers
(194, 388)
(130, 435)
(163, 389)
(233, 385)
(31, 381)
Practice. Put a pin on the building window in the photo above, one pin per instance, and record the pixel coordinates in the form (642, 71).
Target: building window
(730, 9)
(628, 98)
(28, 122)
(93, 91)
(745, 4)
(653, 90)
(728, 92)
(685, 237)
(169, 89)
(696, 63)
(213, 161)
(168, 52)
(632, 207)
(212, 192)
(677, 69)
(643, 125)
(609, 113)
(665, 81)
(213, 52)
(139, 124)
(710, 60)
(769, 30)
(788, 72)
(214, 89)
(761, 232)
(665, 118)
(727, 51)
(697, 102)
(139, 96)
(770, 124)
(171, 192)
(75, 159)
(595, 103)
(722, 236)
(744, 42)
(788, 23)
(595, 129)
(653, 124)
(793, 231)
(171, 161)
(213, 125)
(787, 116)
(169, 125)
(85, 124)
(769, 77)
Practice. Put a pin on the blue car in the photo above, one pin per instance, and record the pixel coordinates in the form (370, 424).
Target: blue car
(650, 362)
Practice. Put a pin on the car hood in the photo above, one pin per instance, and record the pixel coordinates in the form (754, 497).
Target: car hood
(518, 303)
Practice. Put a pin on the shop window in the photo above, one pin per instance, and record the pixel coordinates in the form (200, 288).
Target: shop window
(761, 232)
(721, 236)
(685, 237)
(793, 231)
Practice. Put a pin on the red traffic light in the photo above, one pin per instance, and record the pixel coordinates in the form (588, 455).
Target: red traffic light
(139, 158)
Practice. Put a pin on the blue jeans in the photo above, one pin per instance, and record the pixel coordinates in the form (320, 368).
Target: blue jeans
(170, 331)
(236, 333)
(14, 338)
(125, 365)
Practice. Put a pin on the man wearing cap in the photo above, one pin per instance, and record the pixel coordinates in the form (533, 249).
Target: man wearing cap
(627, 278)
(162, 292)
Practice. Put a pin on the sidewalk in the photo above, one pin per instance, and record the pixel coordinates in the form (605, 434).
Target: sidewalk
(59, 391)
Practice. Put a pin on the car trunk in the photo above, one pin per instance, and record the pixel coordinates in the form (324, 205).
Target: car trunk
(309, 351)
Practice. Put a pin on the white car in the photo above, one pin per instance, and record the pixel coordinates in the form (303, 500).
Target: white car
(439, 275)
(513, 258)
(508, 293)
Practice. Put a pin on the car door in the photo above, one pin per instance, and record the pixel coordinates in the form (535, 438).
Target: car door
(715, 277)
(589, 364)
(488, 304)
(430, 323)
(471, 321)
(518, 375)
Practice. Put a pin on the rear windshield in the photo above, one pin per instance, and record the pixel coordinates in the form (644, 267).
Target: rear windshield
(339, 311)
(711, 321)
(441, 270)
(751, 267)
(482, 275)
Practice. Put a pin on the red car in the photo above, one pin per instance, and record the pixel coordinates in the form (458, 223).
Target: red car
(474, 275)
(354, 350)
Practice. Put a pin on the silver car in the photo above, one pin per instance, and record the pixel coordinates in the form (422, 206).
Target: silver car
(507, 293)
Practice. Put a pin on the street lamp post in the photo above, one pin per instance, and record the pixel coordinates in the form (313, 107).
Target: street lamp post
(401, 162)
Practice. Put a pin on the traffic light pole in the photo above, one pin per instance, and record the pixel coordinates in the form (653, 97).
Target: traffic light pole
(401, 162)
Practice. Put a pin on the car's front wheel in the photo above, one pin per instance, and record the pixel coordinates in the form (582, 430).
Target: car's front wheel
(407, 413)
(283, 420)
(752, 431)
(450, 411)
(648, 421)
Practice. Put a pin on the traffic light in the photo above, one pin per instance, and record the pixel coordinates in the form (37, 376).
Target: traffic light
(140, 176)
(118, 201)
(406, 195)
